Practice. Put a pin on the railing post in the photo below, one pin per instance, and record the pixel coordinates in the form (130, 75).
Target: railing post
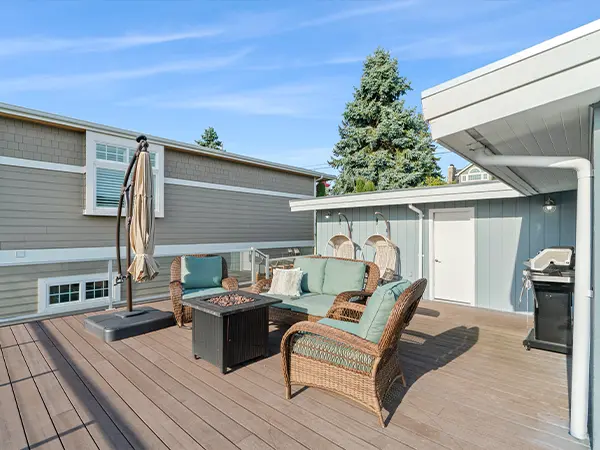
(111, 285)
(253, 264)
(267, 267)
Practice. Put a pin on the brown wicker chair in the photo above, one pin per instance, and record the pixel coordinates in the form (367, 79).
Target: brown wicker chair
(363, 371)
(289, 317)
(183, 314)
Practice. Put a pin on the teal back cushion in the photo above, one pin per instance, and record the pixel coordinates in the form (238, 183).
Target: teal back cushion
(341, 276)
(203, 272)
(378, 310)
(313, 273)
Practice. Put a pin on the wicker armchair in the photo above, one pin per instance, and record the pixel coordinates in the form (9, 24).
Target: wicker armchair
(314, 354)
(182, 313)
(289, 317)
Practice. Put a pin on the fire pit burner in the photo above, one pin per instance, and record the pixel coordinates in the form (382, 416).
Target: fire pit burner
(230, 300)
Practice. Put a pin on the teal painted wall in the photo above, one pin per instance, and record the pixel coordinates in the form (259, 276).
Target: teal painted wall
(507, 232)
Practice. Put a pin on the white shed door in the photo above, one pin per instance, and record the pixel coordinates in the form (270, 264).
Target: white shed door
(453, 255)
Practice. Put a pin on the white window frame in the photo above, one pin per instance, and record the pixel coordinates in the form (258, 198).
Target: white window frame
(91, 163)
(44, 306)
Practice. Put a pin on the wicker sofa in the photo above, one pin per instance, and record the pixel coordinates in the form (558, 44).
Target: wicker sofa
(338, 355)
(178, 290)
(331, 281)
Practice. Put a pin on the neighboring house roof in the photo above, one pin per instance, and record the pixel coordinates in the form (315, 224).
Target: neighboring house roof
(431, 194)
(20, 112)
(464, 169)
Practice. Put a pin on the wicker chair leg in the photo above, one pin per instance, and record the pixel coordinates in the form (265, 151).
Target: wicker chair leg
(380, 417)
(288, 391)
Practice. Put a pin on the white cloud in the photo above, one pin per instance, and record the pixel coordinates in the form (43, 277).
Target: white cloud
(345, 14)
(290, 100)
(26, 45)
(69, 81)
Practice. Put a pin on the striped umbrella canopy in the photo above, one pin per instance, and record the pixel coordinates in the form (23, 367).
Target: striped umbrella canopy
(144, 267)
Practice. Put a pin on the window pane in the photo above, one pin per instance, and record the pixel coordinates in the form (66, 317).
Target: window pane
(108, 187)
(53, 299)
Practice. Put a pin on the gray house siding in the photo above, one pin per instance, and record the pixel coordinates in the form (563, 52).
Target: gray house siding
(30, 140)
(188, 166)
(41, 209)
(507, 232)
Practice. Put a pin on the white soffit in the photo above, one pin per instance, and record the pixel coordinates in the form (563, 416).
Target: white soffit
(535, 102)
(451, 193)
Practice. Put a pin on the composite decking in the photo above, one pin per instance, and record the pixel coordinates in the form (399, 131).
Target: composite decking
(470, 385)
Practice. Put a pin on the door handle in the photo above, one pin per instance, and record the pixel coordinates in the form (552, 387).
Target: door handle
(437, 260)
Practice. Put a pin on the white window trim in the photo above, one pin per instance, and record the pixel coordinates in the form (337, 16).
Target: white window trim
(44, 284)
(91, 138)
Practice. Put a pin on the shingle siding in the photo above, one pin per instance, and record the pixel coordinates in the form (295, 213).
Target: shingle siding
(188, 166)
(30, 140)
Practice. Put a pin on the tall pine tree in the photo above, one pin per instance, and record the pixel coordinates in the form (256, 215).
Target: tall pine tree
(381, 140)
(210, 139)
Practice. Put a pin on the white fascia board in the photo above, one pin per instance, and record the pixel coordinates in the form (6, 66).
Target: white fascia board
(473, 191)
(82, 125)
(530, 52)
(578, 85)
(35, 164)
(64, 255)
(226, 187)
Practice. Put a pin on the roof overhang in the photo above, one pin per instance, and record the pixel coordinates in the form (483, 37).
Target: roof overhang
(534, 103)
(32, 115)
(449, 193)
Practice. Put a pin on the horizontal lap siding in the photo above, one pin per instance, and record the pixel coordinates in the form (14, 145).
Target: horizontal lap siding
(18, 284)
(41, 209)
(507, 232)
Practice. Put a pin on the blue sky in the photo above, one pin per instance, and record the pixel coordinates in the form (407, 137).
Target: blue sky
(271, 77)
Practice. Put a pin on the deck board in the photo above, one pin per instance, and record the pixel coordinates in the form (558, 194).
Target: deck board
(471, 386)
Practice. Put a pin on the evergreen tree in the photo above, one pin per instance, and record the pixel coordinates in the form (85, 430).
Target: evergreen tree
(381, 140)
(210, 139)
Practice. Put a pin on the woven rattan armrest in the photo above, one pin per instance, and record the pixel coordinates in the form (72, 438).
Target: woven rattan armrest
(261, 285)
(345, 297)
(335, 334)
(348, 312)
(230, 284)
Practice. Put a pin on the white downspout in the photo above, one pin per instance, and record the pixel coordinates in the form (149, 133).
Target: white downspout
(421, 255)
(583, 274)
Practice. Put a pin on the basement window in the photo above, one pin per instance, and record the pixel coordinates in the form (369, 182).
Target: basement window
(71, 293)
(107, 158)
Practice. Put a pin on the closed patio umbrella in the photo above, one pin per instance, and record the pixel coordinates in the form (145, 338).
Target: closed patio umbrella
(144, 267)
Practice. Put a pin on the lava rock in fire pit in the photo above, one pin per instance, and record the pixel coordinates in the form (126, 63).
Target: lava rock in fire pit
(230, 300)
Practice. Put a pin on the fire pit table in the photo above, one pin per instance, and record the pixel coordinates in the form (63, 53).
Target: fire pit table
(230, 328)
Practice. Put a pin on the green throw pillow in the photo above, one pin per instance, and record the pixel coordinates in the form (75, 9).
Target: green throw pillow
(378, 310)
(314, 273)
(203, 272)
(342, 276)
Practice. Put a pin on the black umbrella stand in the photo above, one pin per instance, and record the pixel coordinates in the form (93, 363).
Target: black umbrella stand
(128, 323)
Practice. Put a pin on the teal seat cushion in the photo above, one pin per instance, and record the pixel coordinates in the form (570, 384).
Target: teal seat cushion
(313, 304)
(313, 273)
(341, 276)
(378, 310)
(201, 272)
(332, 352)
(201, 292)
(350, 327)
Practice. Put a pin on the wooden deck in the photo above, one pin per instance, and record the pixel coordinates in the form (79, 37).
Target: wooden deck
(471, 385)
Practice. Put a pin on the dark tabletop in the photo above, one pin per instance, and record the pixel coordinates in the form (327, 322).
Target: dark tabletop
(200, 303)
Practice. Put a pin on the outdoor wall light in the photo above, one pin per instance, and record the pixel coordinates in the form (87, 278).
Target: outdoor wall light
(328, 215)
(549, 205)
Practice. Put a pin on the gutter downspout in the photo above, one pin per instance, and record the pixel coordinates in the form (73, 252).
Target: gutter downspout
(421, 255)
(315, 223)
(583, 280)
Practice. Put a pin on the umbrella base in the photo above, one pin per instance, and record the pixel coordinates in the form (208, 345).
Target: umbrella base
(122, 324)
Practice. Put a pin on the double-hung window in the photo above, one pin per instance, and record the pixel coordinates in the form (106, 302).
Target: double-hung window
(107, 158)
